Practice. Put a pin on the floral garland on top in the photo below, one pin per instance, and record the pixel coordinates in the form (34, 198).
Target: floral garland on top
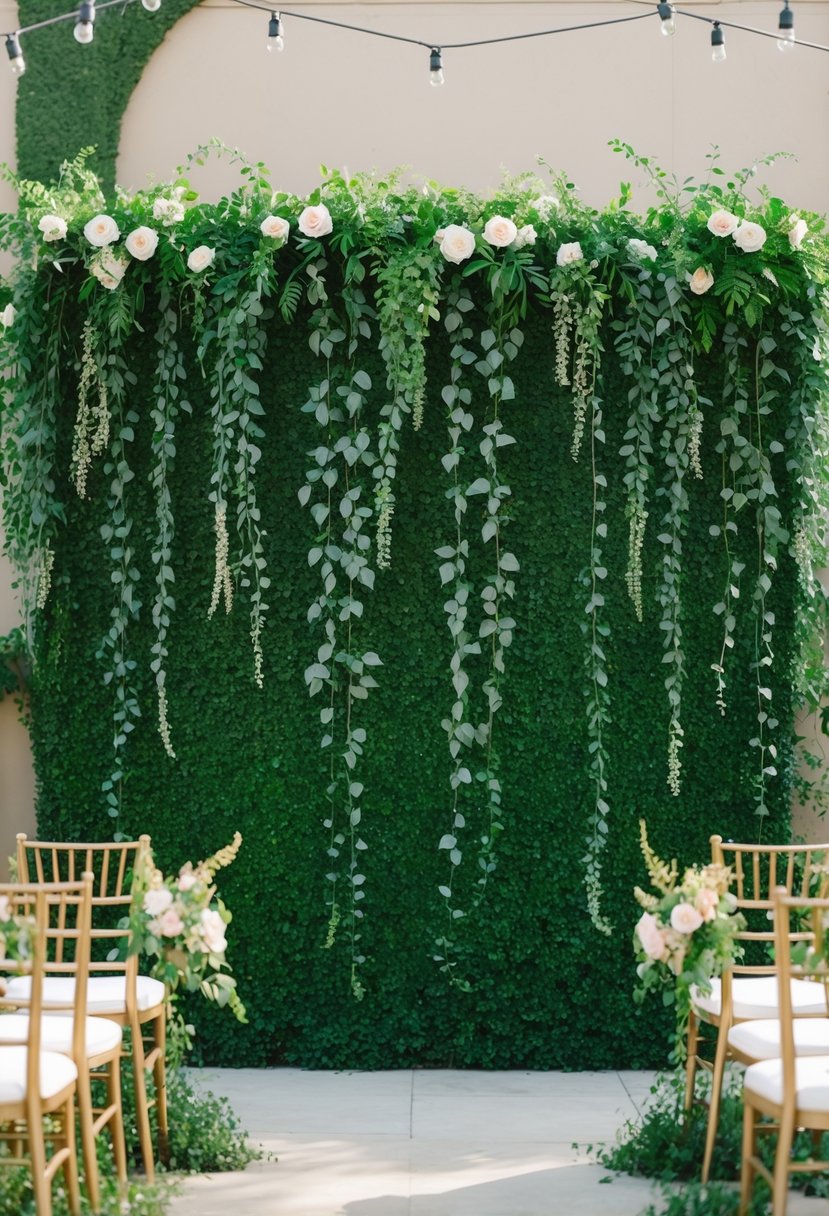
(708, 265)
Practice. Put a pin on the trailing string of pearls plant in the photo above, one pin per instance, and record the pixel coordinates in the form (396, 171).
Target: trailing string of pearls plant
(369, 266)
(85, 16)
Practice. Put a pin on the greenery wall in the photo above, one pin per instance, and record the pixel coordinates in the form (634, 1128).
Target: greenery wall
(616, 412)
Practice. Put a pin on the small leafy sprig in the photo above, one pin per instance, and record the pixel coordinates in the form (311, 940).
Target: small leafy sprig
(179, 921)
(17, 930)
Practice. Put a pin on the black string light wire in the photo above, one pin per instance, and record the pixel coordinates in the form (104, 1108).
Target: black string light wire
(85, 15)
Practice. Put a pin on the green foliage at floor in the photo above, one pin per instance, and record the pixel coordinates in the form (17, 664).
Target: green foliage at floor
(139, 1199)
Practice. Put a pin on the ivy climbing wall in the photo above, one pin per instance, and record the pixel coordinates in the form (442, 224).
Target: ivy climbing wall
(431, 543)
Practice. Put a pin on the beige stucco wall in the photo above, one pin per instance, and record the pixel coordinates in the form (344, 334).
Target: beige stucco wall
(342, 99)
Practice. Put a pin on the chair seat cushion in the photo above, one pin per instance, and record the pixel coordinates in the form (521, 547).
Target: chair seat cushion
(56, 1032)
(755, 996)
(56, 1072)
(811, 1082)
(760, 1039)
(105, 993)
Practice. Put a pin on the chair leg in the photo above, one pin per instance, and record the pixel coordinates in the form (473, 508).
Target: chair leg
(86, 1118)
(142, 1110)
(70, 1168)
(692, 1046)
(749, 1151)
(37, 1153)
(716, 1095)
(780, 1190)
(160, 1077)
(116, 1123)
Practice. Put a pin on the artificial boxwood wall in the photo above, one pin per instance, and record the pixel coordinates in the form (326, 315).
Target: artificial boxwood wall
(526, 960)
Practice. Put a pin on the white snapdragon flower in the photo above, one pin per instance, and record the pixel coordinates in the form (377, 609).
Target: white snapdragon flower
(168, 211)
(641, 250)
(546, 205)
(526, 235)
(108, 268)
(797, 231)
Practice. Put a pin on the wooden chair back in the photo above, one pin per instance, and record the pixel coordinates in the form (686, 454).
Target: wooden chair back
(112, 866)
(759, 871)
(790, 912)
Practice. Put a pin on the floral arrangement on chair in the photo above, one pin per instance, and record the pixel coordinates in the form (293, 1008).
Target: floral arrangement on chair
(686, 933)
(180, 921)
(16, 932)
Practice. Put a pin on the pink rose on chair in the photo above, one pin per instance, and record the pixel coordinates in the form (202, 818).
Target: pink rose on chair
(157, 900)
(170, 923)
(706, 903)
(685, 918)
(651, 937)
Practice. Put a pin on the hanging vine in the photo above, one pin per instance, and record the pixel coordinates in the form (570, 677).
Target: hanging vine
(167, 403)
(341, 550)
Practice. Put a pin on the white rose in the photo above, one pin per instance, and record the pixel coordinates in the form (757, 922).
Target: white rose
(7, 316)
(750, 237)
(701, 281)
(641, 249)
(685, 918)
(439, 235)
(53, 228)
(142, 243)
(275, 227)
(722, 223)
(315, 221)
(201, 257)
(458, 243)
(797, 231)
(213, 931)
(525, 236)
(569, 253)
(169, 210)
(157, 900)
(101, 230)
(500, 231)
(108, 268)
(545, 205)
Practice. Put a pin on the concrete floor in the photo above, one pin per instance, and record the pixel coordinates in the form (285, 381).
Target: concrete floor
(418, 1143)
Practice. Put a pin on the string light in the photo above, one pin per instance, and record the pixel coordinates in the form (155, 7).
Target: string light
(717, 43)
(276, 41)
(665, 10)
(85, 29)
(667, 16)
(785, 27)
(18, 63)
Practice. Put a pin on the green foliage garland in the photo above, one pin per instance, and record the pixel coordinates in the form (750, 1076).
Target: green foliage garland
(300, 374)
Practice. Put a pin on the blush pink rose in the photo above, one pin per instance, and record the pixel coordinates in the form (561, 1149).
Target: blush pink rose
(170, 923)
(685, 918)
(651, 937)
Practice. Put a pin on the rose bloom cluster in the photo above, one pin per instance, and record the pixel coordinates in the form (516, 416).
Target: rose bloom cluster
(178, 914)
(666, 932)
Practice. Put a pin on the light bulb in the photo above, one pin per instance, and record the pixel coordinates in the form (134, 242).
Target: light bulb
(152, 6)
(85, 29)
(785, 29)
(668, 18)
(275, 42)
(16, 61)
(717, 44)
(436, 77)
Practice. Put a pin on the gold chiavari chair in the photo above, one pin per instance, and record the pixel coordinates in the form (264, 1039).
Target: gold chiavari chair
(116, 989)
(748, 990)
(792, 1091)
(35, 1083)
(94, 1043)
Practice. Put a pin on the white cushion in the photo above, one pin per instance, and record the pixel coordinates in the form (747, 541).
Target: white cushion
(760, 1038)
(56, 1032)
(105, 993)
(755, 996)
(56, 1072)
(811, 1082)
